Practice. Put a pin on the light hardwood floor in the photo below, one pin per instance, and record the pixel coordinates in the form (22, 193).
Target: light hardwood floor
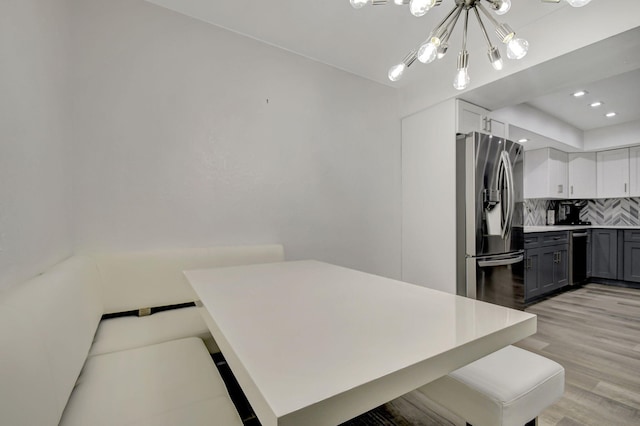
(594, 332)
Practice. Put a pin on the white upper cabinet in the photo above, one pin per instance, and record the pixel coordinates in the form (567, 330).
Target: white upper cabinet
(472, 118)
(582, 175)
(613, 173)
(545, 173)
(634, 171)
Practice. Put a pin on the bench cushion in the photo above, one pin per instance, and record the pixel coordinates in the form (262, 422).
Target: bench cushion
(508, 387)
(174, 382)
(117, 334)
(134, 280)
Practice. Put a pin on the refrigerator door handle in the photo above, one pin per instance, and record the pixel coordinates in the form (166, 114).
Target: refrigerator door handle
(501, 262)
(506, 172)
(512, 191)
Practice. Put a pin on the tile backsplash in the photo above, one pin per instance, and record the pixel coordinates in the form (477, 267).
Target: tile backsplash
(607, 212)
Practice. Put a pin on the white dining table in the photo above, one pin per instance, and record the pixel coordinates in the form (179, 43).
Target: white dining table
(312, 343)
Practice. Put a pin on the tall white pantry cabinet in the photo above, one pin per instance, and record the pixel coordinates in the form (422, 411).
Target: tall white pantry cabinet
(429, 189)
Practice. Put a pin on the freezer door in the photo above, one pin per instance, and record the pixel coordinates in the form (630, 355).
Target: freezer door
(497, 279)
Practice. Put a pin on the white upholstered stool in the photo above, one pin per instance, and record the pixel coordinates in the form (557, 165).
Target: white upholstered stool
(509, 387)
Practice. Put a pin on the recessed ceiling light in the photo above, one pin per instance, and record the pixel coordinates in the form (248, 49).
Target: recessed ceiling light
(596, 104)
(523, 140)
(579, 93)
(610, 114)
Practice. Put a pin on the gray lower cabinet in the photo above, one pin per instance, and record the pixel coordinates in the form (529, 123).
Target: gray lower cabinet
(604, 252)
(632, 256)
(546, 263)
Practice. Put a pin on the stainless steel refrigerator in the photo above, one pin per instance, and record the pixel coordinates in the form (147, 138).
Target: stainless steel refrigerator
(490, 243)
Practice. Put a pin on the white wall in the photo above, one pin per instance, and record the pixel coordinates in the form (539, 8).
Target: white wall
(612, 136)
(541, 123)
(35, 196)
(190, 135)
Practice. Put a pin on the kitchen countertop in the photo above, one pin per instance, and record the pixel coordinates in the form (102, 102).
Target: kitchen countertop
(531, 229)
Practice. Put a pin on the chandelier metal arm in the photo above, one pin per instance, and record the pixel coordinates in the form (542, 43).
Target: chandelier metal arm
(493, 53)
(464, 31)
(482, 27)
(444, 21)
(488, 15)
(453, 23)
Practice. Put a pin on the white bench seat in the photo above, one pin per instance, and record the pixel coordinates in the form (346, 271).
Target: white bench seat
(509, 387)
(61, 365)
(175, 379)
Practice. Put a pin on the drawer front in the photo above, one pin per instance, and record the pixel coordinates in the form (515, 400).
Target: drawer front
(632, 235)
(552, 238)
(532, 240)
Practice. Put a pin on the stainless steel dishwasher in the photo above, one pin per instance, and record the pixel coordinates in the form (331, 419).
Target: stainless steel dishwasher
(578, 244)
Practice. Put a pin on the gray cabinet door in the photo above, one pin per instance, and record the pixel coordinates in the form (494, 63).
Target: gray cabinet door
(632, 261)
(561, 271)
(547, 269)
(604, 246)
(531, 270)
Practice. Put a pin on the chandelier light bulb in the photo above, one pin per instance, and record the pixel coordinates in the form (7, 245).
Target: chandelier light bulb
(420, 7)
(578, 3)
(504, 7)
(396, 71)
(357, 4)
(517, 48)
(461, 81)
(427, 53)
(399, 2)
(495, 58)
(442, 50)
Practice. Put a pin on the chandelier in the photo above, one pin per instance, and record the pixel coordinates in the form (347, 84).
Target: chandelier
(436, 45)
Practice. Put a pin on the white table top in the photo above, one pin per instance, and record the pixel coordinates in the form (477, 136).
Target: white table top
(313, 343)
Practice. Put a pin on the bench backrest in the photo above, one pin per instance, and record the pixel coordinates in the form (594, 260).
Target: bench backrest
(47, 326)
(137, 280)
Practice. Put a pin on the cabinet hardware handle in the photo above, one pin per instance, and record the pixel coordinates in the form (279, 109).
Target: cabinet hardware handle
(571, 189)
(489, 125)
(560, 189)
(625, 188)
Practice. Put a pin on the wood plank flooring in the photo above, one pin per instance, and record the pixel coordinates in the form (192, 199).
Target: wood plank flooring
(594, 332)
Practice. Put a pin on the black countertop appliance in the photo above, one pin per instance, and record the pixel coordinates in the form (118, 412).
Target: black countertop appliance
(569, 213)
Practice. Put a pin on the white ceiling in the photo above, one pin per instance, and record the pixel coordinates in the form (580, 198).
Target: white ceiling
(620, 94)
(367, 41)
